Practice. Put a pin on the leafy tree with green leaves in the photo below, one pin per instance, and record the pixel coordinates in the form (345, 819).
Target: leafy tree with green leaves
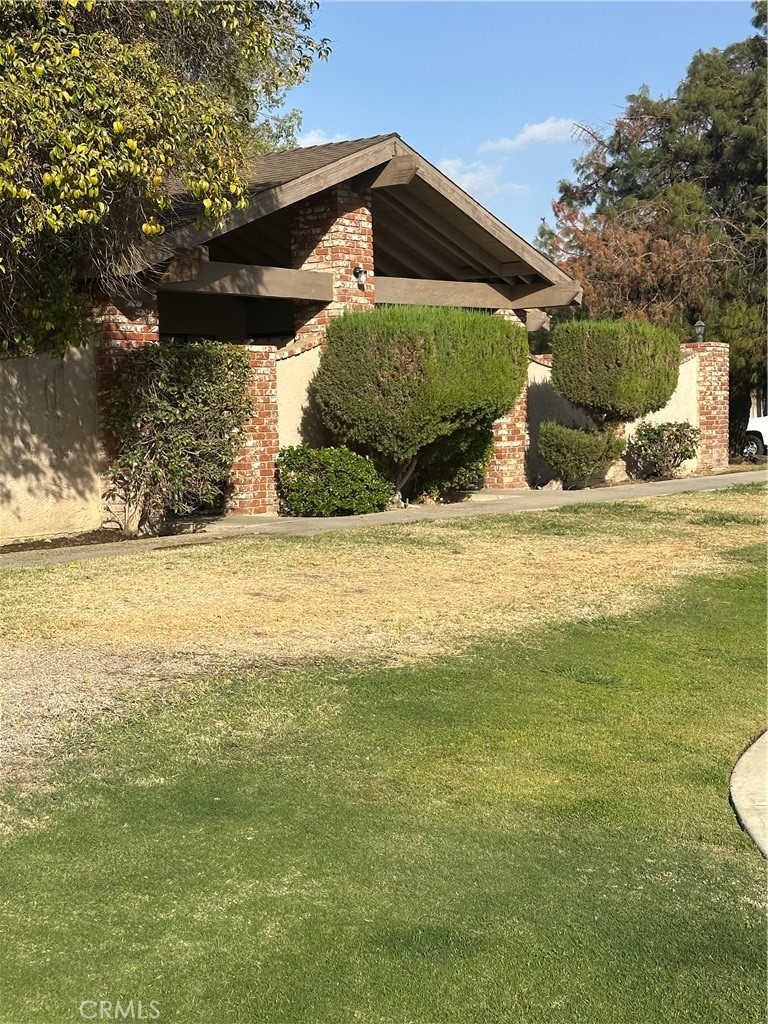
(665, 219)
(112, 110)
(175, 412)
(397, 380)
(742, 326)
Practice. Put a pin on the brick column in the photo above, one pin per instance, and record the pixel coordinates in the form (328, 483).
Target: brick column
(509, 315)
(252, 488)
(507, 466)
(124, 324)
(712, 381)
(332, 232)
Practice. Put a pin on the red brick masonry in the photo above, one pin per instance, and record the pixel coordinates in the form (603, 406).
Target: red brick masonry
(252, 488)
(333, 232)
(507, 466)
(713, 402)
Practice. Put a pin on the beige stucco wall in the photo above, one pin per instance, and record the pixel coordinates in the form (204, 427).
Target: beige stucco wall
(295, 424)
(545, 404)
(682, 406)
(49, 455)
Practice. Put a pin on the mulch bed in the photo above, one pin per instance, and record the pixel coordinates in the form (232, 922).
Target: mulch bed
(93, 537)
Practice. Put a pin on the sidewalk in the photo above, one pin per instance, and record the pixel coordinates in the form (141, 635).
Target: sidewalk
(749, 792)
(483, 503)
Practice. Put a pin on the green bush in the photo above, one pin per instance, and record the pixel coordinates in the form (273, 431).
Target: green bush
(575, 455)
(616, 370)
(396, 380)
(329, 482)
(175, 412)
(453, 462)
(661, 450)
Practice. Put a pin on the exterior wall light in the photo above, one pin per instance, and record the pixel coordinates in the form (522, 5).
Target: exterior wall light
(699, 329)
(361, 276)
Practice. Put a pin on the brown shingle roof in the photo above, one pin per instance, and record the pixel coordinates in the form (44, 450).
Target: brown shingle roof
(270, 169)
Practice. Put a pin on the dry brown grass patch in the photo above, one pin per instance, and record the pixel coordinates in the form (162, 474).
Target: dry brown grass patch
(75, 637)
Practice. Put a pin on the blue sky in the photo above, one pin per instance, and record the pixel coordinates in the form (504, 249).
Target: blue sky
(489, 91)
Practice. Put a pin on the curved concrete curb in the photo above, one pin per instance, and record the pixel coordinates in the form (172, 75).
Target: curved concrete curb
(749, 792)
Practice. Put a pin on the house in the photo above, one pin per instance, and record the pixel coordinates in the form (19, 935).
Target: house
(345, 225)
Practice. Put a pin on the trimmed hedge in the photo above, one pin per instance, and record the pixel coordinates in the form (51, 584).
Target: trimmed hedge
(617, 371)
(575, 455)
(329, 482)
(395, 380)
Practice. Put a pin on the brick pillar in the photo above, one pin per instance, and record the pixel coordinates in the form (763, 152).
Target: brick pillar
(125, 323)
(507, 466)
(509, 315)
(122, 324)
(332, 232)
(712, 380)
(252, 488)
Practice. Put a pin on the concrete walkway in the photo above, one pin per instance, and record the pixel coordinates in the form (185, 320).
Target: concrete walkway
(749, 792)
(482, 503)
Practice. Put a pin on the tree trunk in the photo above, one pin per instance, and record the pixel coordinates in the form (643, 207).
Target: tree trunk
(135, 508)
(405, 476)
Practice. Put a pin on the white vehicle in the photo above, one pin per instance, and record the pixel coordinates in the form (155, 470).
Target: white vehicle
(756, 440)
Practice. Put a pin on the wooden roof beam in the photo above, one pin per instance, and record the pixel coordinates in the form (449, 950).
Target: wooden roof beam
(248, 281)
(400, 227)
(404, 257)
(515, 268)
(467, 252)
(401, 170)
(536, 319)
(269, 200)
(407, 291)
(494, 227)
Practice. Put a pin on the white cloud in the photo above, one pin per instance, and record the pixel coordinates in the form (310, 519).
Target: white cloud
(554, 129)
(317, 137)
(483, 181)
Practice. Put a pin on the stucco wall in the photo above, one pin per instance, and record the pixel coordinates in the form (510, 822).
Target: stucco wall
(49, 458)
(295, 425)
(545, 404)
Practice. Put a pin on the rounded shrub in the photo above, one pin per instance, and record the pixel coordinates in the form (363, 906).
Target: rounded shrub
(329, 482)
(397, 379)
(617, 370)
(574, 454)
(659, 450)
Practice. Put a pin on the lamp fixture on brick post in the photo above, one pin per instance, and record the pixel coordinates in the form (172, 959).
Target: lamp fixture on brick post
(699, 329)
(361, 276)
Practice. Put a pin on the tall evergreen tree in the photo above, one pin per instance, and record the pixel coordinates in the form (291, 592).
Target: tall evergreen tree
(665, 218)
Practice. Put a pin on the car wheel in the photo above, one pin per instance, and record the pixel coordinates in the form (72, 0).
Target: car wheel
(753, 447)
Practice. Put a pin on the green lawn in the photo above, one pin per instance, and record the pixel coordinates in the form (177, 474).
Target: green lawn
(533, 832)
